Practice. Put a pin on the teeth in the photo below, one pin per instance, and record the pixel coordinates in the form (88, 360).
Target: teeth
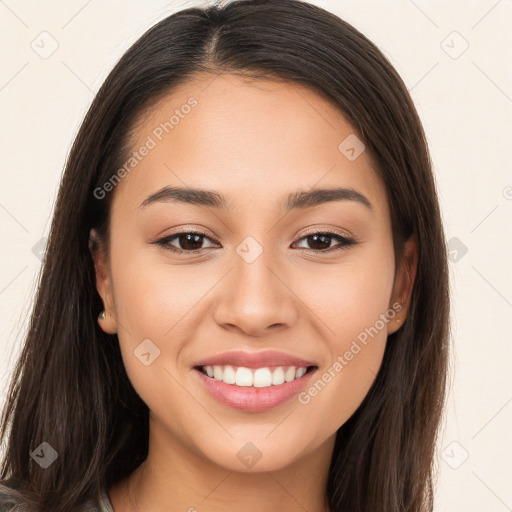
(289, 375)
(258, 378)
(228, 375)
(243, 377)
(278, 376)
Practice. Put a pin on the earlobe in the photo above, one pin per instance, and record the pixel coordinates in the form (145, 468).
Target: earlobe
(106, 318)
(404, 283)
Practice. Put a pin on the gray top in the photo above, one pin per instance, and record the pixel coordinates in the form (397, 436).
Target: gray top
(104, 502)
(100, 504)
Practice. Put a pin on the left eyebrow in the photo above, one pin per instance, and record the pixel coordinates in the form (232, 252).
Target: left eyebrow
(299, 199)
(195, 196)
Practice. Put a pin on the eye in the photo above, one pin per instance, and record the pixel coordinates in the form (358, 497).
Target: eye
(322, 240)
(188, 241)
(191, 241)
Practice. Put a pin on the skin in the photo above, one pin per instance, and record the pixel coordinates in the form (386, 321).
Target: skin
(254, 142)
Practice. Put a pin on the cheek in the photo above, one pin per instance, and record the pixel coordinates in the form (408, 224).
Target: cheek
(157, 305)
(355, 350)
(154, 304)
(153, 298)
(352, 312)
(350, 296)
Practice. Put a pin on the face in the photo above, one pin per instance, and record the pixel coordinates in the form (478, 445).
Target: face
(188, 279)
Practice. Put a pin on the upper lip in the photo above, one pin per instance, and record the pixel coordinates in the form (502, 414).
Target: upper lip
(255, 359)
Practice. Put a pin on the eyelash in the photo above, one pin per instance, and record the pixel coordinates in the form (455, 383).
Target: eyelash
(345, 241)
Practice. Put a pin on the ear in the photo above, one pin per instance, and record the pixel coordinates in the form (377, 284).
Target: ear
(404, 282)
(103, 283)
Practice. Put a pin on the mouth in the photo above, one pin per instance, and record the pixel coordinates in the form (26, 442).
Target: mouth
(254, 377)
(253, 389)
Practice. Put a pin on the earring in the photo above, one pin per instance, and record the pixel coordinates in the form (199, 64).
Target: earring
(102, 315)
(398, 320)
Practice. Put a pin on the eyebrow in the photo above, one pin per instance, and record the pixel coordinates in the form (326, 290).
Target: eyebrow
(299, 199)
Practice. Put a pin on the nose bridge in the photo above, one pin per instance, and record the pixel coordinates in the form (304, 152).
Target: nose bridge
(255, 264)
(255, 295)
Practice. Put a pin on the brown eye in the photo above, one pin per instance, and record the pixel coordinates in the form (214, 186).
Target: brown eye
(192, 241)
(188, 241)
(321, 241)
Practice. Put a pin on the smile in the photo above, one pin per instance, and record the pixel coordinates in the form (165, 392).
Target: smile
(256, 377)
(253, 389)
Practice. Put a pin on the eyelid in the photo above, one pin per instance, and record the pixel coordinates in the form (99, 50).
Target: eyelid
(332, 230)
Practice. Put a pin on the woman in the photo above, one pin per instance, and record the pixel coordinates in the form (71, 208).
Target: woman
(244, 299)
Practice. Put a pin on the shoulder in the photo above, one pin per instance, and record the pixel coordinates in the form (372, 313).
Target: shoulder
(7, 505)
(104, 501)
(10, 501)
(99, 504)
(8, 498)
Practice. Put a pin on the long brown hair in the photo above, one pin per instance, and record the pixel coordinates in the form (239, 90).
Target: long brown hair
(69, 387)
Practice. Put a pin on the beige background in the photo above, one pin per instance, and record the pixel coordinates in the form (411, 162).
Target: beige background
(464, 100)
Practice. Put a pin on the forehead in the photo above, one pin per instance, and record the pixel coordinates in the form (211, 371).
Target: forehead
(254, 141)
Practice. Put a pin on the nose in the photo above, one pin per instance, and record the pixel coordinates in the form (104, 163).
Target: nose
(256, 297)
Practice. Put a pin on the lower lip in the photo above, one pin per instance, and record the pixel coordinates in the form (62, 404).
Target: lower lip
(252, 399)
